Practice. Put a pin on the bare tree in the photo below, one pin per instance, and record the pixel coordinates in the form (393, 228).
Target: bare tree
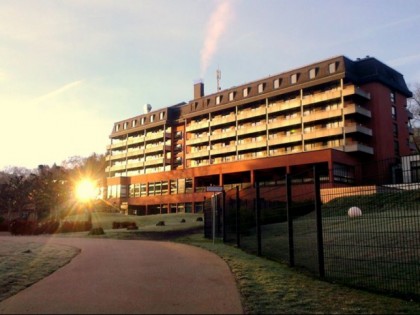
(413, 105)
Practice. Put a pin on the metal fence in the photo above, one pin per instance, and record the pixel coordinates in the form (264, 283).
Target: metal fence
(366, 236)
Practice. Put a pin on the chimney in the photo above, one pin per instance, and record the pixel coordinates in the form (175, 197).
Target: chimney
(198, 89)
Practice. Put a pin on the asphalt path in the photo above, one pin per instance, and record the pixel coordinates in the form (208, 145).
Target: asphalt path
(129, 277)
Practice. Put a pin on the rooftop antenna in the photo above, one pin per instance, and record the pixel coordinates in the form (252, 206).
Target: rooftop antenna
(218, 76)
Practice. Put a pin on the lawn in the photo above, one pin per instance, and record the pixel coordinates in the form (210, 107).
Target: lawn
(266, 286)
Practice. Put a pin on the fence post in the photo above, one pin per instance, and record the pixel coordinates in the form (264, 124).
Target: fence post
(258, 216)
(290, 220)
(320, 241)
(224, 215)
(238, 227)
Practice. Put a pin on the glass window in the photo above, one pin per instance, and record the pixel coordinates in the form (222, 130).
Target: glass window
(151, 189)
(277, 83)
(245, 92)
(164, 188)
(332, 67)
(134, 123)
(394, 112)
(143, 120)
(415, 171)
(231, 96)
(162, 115)
(188, 185)
(261, 87)
(392, 97)
(174, 189)
(294, 78)
(312, 73)
(218, 99)
(152, 118)
(143, 190)
(181, 186)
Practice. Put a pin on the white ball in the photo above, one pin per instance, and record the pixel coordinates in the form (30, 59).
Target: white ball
(354, 212)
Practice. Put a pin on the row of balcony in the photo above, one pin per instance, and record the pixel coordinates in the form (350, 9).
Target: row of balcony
(140, 139)
(282, 139)
(279, 106)
(139, 151)
(351, 147)
(139, 164)
(282, 122)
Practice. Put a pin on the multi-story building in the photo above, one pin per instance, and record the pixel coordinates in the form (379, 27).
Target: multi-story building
(338, 113)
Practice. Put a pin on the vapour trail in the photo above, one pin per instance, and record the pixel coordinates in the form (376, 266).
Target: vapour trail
(217, 24)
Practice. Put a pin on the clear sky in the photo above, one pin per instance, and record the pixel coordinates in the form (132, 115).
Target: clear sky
(69, 69)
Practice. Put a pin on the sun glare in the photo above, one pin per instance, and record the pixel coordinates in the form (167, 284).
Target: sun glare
(86, 190)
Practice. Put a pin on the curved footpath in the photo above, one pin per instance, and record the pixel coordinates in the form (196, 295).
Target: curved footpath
(129, 276)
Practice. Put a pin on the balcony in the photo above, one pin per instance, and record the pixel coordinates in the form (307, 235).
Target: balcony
(157, 135)
(358, 147)
(157, 161)
(135, 152)
(354, 90)
(198, 154)
(135, 165)
(223, 120)
(252, 145)
(114, 168)
(322, 114)
(353, 109)
(118, 144)
(198, 126)
(223, 150)
(115, 157)
(252, 129)
(323, 132)
(285, 139)
(197, 140)
(223, 135)
(251, 113)
(358, 128)
(133, 140)
(284, 122)
(157, 148)
(321, 97)
(280, 106)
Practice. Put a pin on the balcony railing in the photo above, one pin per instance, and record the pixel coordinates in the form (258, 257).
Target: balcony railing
(223, 120)
(252, 129)
(325, 132)
(198, 126)
(197, 140)
(223, 135)
(283, 122)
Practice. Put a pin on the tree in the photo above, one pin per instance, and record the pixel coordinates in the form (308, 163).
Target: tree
(413, 105)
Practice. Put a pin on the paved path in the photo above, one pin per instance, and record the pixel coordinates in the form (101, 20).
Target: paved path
(137, 277)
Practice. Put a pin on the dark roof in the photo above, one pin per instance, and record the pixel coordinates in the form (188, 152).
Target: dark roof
(370, 69)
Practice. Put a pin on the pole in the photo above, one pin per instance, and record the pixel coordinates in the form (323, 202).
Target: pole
(214, 215)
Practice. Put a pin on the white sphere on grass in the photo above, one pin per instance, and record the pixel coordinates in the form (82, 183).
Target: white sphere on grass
(354, 212)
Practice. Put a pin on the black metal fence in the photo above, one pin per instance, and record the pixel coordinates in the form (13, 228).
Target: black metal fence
(366, 236)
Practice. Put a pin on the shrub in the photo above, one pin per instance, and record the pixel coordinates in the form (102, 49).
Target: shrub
(97, 231)
(183, 221)
(160, 223)
(75, 226)
(199, 219)
(123, 225)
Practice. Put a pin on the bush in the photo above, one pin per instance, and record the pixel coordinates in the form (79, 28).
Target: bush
(124, 225)
(21, 227)
(183, 221)
(97, 231)
(160, 223)
(75, 226)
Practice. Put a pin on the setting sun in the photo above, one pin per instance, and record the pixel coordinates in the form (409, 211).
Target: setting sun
(86, 190)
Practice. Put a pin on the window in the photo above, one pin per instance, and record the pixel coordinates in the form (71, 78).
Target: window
(294, 78)
(261, 87)
(143, 120)
(245, 92)
(126, 125)
(395, 130)
(117, 127)
(152, 118)
(276, 83)
(392, 97)
(218, 99)
(415, 171)
(396, 148)
(174, 189)
(394, 112)
(161, 115)
(313, 73)
(231, 96)
(332, 67)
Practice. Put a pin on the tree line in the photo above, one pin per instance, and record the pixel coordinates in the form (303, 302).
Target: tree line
(48, 191)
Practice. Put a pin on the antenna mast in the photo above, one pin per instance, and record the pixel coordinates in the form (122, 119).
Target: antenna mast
(218, 76)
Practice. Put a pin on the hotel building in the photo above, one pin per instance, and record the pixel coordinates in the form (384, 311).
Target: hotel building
(338, 114)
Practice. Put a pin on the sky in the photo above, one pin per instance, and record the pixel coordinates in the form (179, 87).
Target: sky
(69, 69)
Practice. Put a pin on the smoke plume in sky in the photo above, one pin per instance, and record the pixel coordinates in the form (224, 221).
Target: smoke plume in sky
(217, 24)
